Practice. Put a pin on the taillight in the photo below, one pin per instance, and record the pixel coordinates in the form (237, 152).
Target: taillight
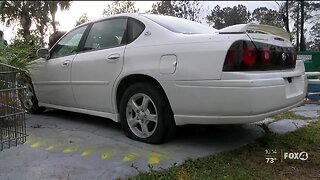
(266, 55)
(230, 58)
(249, 54)
(256, 56)
(292, 56)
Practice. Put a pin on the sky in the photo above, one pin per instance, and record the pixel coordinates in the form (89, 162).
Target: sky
(94, 9)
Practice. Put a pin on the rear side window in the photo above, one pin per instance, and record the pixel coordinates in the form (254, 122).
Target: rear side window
(106, 34)
(135, 28)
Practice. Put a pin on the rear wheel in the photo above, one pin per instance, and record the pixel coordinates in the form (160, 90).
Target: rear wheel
(146, 114)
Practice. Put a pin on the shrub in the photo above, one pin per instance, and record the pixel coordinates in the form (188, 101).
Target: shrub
(19, 54)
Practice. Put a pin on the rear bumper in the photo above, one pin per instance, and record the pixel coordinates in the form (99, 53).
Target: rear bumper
(237, 98)
(183, 119)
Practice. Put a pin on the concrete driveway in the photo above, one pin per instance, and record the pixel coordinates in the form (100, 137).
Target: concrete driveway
(66, 145)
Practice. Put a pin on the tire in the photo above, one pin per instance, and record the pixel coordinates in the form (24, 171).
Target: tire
(28, 97)
(145, 114)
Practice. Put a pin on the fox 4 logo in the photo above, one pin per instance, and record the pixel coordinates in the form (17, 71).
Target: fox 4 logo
(296, 156)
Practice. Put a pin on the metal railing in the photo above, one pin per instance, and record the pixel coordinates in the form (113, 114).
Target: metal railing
(12, 114)
(310, 81)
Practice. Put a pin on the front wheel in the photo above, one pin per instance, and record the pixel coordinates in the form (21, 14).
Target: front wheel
(28, 98)
(146, 114)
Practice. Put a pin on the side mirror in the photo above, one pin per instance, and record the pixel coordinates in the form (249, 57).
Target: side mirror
(43, 53)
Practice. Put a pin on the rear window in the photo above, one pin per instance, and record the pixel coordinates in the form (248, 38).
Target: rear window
(179, 25)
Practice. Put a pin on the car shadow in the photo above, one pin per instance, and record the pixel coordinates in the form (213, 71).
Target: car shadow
(82, 118)
(217, 134)
(208, 138)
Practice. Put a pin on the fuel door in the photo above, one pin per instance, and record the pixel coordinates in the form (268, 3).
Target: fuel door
(168, 64)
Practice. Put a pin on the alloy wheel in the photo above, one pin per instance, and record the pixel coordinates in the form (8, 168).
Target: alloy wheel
(141, 115)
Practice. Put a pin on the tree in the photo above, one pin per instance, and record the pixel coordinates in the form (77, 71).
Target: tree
(314, 44)
(118, 7)
(267, 16)
(285, 15)
(216, 19)
(41, 20)
(188, 10)
(236, 15)
(53, 7)
(17, 11)
(182, 9)
(228, 16)
(302, 40)
(298, 12)
(164, 8)
(82, 19)
(297, 23)
(27, 12)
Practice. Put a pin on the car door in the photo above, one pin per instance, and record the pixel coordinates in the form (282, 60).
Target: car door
(95, 69)
(51, 77)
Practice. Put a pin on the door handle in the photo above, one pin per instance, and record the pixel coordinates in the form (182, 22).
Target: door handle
(65, 63)
(113, 58)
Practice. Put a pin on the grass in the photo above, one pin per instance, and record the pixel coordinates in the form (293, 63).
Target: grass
(249, 162)
(289, 115)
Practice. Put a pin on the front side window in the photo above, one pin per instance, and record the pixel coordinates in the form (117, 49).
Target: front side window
(68, 45)
(106, 34)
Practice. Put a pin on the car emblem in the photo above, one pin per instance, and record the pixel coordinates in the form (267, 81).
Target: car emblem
(147, 33)
(284, 57)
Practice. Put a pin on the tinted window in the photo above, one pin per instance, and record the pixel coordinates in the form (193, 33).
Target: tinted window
(106, 34)
(68, 44)
(179, 25)
(135, 29)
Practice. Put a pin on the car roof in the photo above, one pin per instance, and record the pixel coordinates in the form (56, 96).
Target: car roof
(133, 15)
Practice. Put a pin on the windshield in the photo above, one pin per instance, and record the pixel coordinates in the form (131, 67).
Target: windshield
(180, 25)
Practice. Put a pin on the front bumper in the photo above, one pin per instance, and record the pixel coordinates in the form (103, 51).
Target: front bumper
(237, 98)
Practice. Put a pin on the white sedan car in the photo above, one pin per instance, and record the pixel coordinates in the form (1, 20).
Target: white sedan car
(154, 72)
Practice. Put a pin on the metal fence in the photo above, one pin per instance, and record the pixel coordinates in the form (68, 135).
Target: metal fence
(12, 114)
